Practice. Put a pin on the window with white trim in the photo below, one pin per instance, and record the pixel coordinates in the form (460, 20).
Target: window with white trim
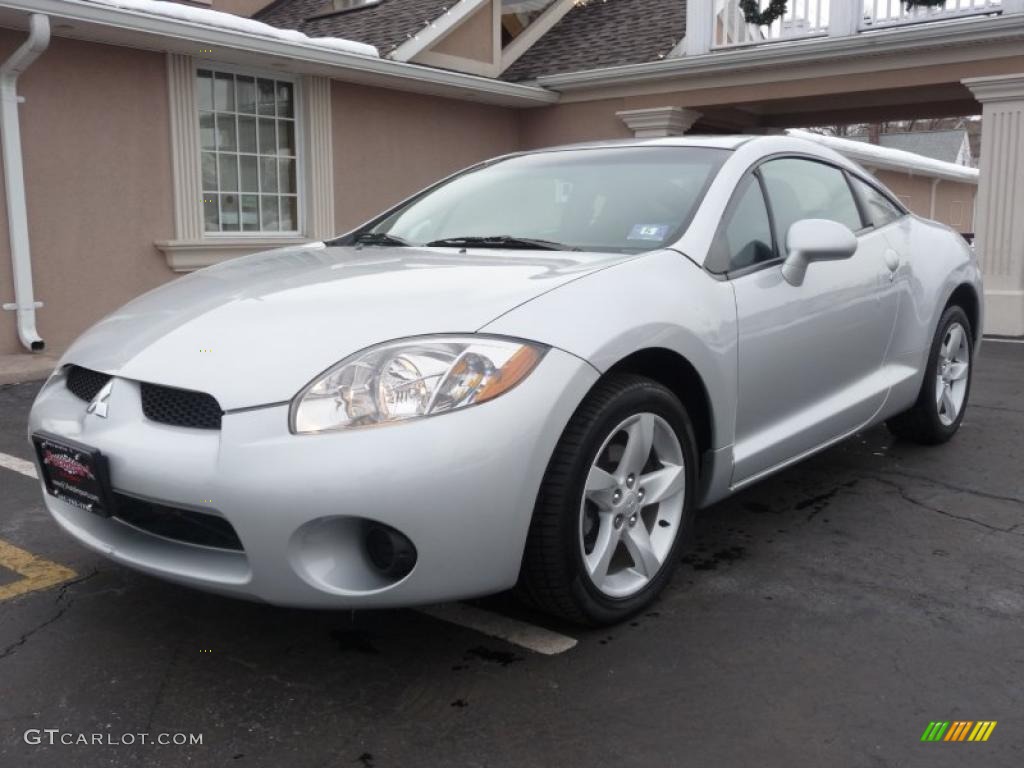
(248, 138)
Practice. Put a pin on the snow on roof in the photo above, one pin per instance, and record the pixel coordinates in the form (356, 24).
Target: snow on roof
(891, 159)
(211, 18)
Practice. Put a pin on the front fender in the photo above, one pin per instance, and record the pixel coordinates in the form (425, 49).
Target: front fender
(662, 300)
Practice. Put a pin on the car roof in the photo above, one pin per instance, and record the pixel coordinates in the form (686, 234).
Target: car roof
(714, 142)
(749, 146)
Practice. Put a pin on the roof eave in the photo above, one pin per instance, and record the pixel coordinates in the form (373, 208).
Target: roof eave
(119, 26)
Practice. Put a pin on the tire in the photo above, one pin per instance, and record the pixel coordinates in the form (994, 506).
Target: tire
(556, 576)
(934, 418)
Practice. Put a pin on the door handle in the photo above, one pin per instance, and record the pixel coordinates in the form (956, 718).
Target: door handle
(892, 260)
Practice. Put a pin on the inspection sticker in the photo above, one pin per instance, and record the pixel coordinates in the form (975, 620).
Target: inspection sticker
(649, 232)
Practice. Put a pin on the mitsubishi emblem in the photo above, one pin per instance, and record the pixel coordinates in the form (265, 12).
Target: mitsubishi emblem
(99, 405)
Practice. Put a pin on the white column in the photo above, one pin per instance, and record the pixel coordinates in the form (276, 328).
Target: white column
(999, 225)
(656, 122)
(319, 201)
(184, 105)
(844, 17)
(700, 15)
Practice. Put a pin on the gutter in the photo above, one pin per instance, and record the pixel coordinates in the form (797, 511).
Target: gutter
(182, 36)
(810, 51)
(14, 180)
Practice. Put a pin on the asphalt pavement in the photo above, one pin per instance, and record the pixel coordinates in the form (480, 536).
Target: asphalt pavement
(824, 617)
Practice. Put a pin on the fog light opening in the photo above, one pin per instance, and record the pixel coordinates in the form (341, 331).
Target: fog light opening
(389, 551)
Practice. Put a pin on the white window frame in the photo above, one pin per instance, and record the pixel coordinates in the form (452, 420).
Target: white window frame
(193, 247)
(300, 149)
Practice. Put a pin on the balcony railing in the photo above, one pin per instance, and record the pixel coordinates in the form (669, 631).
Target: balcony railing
(889, 13)
(803, 18)
(718, 24)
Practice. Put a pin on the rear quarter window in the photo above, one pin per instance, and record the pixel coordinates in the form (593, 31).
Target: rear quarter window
(879, 209)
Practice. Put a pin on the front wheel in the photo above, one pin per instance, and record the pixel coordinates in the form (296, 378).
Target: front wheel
(940, 406)
(615, 505)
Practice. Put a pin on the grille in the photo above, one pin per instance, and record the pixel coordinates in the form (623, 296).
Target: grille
(179, 524)
(180, 407)
(85, 384)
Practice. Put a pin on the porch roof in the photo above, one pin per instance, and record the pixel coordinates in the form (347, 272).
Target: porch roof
(604, 33)
(386, 24)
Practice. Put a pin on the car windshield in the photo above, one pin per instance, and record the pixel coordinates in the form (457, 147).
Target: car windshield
(628, 199)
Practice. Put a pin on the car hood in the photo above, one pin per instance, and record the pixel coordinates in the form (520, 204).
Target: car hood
(255, 330)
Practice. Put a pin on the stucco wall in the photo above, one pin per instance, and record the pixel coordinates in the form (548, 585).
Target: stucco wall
(388, 145)
(96, 148)
(574, 121)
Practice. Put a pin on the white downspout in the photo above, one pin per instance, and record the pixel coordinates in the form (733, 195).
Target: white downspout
(935, 189)
(14, 179)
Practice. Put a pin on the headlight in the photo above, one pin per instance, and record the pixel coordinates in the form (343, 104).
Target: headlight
(408, 379)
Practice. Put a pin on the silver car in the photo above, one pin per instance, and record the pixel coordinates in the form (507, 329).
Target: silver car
(529, 375)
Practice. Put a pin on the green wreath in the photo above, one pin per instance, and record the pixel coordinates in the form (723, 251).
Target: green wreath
(753, 14)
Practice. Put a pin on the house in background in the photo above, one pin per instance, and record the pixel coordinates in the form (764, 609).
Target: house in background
(950, 146)
(159, 137)
(937, 189)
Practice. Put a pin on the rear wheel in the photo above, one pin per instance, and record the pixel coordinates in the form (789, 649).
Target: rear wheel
(615, 504)
(940, 406)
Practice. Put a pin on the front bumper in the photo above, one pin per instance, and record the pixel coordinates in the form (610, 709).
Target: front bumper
(461, 486)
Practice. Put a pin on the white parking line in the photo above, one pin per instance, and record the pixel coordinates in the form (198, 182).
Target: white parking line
(533, 638)
(26, 468)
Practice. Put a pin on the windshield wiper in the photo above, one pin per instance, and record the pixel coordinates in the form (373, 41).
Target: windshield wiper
(500, 241)
(380, 238)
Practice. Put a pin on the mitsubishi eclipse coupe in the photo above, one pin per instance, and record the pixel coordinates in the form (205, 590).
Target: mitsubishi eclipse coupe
(530, 375)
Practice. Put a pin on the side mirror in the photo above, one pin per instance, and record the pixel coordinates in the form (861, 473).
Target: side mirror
(815, 240)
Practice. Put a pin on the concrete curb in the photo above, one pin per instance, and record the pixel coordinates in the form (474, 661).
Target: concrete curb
(16, 369)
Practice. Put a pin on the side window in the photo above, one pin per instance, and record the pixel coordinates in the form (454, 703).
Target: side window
(746, 235)
(805, 189)
(879, 208)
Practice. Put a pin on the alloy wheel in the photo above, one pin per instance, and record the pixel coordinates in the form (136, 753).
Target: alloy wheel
(951, 374)
(632, 505)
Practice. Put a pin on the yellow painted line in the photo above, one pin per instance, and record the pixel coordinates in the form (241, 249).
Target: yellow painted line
(988, 731)
(36, 572)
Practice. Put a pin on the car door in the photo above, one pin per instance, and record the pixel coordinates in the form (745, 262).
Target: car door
(809, 356)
